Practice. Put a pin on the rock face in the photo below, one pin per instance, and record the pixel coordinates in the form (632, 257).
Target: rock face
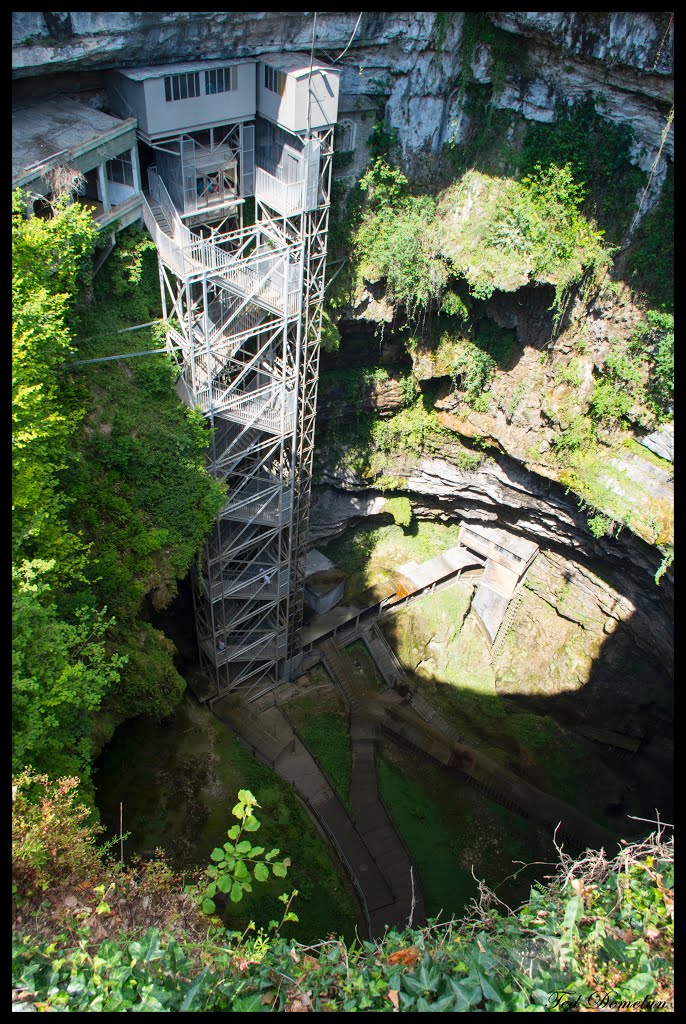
(614, 576)
(409, 61)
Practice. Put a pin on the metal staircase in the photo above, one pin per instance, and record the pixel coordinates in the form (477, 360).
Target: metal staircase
(244, 313)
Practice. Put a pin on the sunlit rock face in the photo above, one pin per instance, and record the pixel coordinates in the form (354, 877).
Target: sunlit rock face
(409, 61)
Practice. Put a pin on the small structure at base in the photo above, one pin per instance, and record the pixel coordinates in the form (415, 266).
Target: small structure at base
(507, 559)
(324, 583)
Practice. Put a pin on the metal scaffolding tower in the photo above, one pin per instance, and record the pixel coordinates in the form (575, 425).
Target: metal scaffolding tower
(246, 307)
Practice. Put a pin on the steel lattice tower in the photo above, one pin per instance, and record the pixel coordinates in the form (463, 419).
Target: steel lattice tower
(246, 310)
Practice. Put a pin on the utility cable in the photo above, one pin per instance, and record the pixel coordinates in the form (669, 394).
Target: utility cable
(359, 18)
(665, 133)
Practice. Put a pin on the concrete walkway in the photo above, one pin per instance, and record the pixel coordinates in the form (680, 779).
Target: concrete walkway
(369, 811)
(268, 733)
(367, 842)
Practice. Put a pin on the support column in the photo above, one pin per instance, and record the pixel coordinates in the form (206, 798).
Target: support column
(104, 191)
(137, 184)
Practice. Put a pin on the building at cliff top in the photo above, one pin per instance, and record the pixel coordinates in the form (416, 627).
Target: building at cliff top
(60, 139)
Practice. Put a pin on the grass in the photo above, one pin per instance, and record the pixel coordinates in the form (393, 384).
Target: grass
(178, 782)
(451, 662)
(433, 640)
(448, 827)
(322, 723)
(632, 445)
(610, 489)
(365, 666)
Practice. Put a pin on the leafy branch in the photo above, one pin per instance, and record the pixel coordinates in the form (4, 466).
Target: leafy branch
(238, 862)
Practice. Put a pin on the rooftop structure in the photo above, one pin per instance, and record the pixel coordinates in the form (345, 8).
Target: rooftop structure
(324, 583)
(64, 134)
(507, 559)
(499, 545)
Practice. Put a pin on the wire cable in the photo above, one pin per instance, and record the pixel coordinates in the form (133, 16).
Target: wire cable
(351, 39)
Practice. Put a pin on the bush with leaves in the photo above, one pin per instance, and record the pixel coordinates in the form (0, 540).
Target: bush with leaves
(400, 508)
(53, 840)
(598, 935)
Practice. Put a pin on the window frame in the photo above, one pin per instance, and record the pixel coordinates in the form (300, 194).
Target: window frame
(224, 79)
(274, 80)
(183, 86)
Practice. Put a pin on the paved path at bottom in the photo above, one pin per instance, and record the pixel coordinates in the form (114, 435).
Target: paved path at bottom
(268, 733)
(369, 811)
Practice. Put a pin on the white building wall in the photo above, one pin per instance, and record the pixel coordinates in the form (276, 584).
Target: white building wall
(323, 110)
(165, 117)
(280, 109)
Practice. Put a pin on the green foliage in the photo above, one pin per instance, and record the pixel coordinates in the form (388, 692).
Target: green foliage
(385, 185)
(410, 390)
(230, 872)
(48, 257)
(579, 435)
(667, 561)
(597, 152)
(569, 373)
(383, 141)
(111, 495)
(400, 508)
(60, 672)
(453, 304)
(53, 841)
(622, 385)
(541, 219)
(331, 336)
(390, 242)
(654, 341)
(327, 734)
(599, 935)
(61, 667)
(371, 446)
(127, 265)
(140, 491)
(600, 525)
(650, 263)
(505, 50)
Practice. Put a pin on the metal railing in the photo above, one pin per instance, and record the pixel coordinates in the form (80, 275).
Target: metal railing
(285, 197)
(259, 275)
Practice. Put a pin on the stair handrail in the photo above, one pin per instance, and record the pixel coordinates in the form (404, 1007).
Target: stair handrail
(158, 190)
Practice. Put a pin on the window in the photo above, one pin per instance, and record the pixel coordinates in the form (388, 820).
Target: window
(345, 136)
(120, 170)
(181, 87)
(274, 80)
(221, 80)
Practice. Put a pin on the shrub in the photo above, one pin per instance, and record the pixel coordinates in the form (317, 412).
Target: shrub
(400, 509)
(53, 841)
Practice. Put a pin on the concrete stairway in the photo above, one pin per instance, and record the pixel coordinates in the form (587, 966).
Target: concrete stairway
(386, 661)
(341, 669)
(373, 821)
(271, 737)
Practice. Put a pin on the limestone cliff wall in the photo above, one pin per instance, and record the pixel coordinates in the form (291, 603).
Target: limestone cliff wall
(408, 61)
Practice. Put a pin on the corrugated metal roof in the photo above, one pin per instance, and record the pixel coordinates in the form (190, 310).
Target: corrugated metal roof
(41, 131)
(159, 70)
